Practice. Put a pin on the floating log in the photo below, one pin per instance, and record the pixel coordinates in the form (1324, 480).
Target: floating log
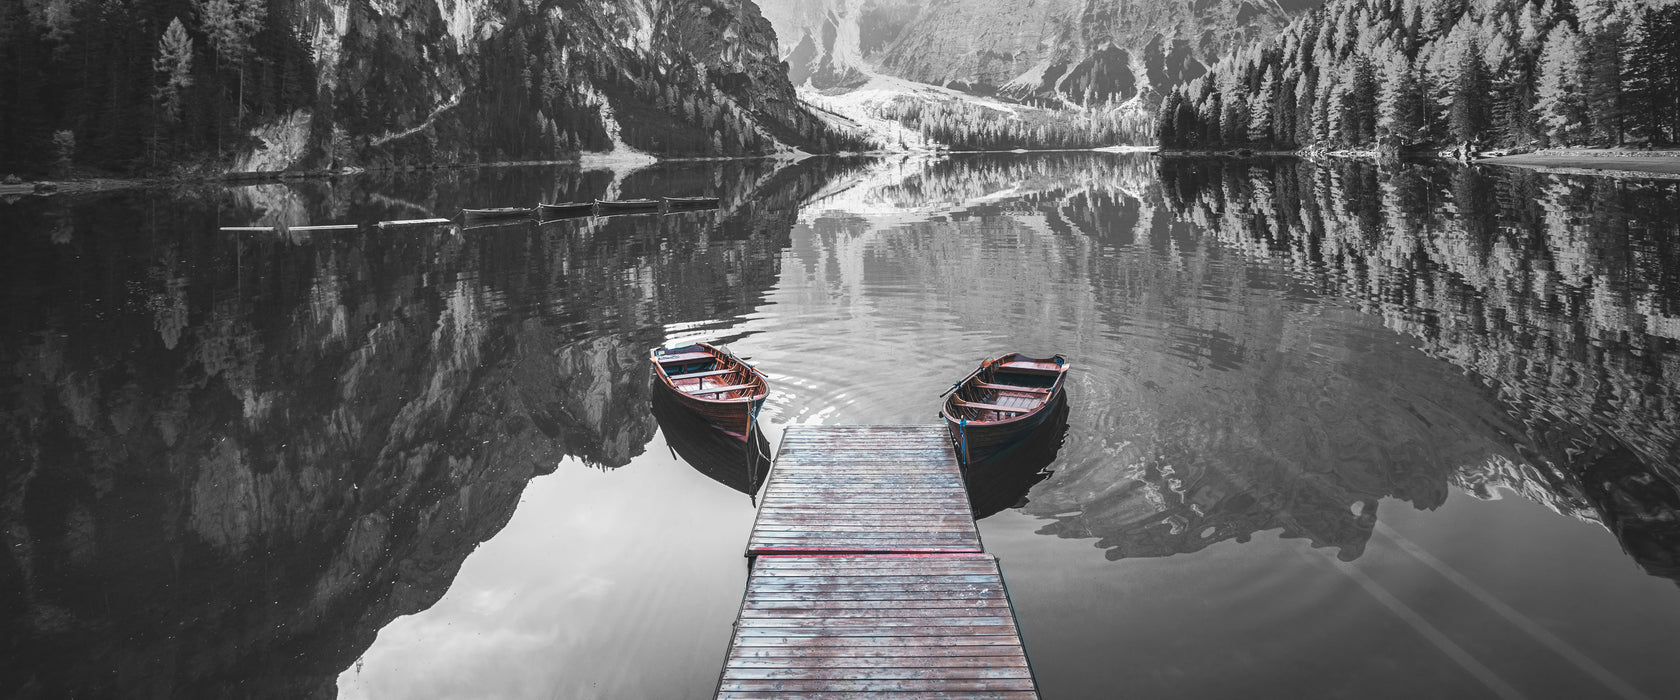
(403, 223)
(327, 227)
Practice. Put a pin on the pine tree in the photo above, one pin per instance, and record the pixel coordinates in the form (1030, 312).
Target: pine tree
(1603, 79)
(1400, 104)
(1326, 115)
(1185, 127)
(1166, 133)
(1651, 75)
(1305, 97)
(229, 25)
(1233, 121)
(1468, 115)
(1208, 113)
(1557, 105)
(1261, 110)
(174, 62)
(1361, 102)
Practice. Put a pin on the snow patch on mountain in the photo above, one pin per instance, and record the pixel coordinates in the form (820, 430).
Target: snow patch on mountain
(621, 158)
(863, 105)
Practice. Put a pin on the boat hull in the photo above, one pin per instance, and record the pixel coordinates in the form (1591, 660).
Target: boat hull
(733, 416)
(981, 442)
(626, 206)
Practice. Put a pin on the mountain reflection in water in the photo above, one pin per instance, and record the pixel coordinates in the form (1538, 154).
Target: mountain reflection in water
(231, 461)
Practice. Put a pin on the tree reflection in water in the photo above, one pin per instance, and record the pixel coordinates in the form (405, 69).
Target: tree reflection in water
(1559, 292)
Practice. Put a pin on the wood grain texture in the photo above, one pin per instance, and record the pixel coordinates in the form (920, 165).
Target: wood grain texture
(868, 579)
(862, 489)
(876, 626)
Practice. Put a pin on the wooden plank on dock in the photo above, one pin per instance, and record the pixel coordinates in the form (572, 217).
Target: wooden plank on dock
(865, 488)
(907, 625)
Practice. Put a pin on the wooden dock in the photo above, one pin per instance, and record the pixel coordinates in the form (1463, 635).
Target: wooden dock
(865, 488)
(868, 578)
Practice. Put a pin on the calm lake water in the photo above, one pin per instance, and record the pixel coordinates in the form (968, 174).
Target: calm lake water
(1334, 430)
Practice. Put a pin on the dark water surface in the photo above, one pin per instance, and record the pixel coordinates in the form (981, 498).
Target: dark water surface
(1334, 431)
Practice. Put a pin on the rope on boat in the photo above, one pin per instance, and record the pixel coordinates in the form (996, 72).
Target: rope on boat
(962, 438)
(752, 459)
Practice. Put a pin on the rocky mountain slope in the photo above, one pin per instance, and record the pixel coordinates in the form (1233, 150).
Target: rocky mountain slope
(320, 83)
(1083, 51)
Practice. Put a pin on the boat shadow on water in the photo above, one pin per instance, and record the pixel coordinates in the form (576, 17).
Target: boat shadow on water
(723, 458)
(1003, 480)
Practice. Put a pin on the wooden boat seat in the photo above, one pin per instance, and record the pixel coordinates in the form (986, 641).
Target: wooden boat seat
(1010, 387)
(1032, 367)
(696, 375)
(991, 407)
(718, 390)
(685, 357)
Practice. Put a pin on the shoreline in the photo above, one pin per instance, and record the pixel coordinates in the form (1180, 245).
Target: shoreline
(586, 161)
(1604, 162)
(1608, 162)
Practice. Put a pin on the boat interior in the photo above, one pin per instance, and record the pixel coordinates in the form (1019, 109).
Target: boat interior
(706, 376)
(1008, 389)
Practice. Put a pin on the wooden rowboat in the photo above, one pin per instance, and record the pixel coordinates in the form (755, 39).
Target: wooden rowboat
(680, 203)
(620, 206)
(566, 210)
(500, 213)
(1002, 402)
(713, 384)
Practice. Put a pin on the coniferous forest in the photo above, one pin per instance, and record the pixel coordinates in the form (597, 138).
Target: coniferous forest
(122, 88)
(1398, 75)
(129, 84)
(971, 126)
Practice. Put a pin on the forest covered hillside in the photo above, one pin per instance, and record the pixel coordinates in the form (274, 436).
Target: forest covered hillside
(1399, 75)
(128, 87)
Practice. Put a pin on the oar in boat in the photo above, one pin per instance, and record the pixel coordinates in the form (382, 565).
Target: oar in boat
(947, 392)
